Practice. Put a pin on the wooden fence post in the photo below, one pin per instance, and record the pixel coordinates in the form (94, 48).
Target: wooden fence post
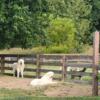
(38, 66)
(2, 64)
(18, 58)
(95, 63)
(64, 68)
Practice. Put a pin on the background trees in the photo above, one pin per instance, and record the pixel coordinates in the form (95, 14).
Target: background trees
(28, 23)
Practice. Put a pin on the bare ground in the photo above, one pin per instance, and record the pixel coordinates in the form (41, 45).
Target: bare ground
(60, 89)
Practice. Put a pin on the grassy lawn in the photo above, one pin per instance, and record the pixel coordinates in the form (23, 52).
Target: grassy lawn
(13, 94)
(49, 98)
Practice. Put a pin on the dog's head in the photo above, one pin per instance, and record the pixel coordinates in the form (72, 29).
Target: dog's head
(49, 74)
(21, 61)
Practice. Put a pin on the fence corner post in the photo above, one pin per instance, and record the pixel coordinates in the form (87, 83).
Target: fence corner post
(95, 63)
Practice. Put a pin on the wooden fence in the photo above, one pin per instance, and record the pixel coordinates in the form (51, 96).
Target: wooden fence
(58, 63)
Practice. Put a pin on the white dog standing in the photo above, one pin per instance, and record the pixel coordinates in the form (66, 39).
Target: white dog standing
(19, 67)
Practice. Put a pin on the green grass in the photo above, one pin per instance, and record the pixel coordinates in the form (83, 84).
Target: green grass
(4, 92)
(18, 94)
(35, 94)
(48, 98)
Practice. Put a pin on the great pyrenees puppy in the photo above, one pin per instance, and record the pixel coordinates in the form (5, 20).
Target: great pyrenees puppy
(45, 80)
(19, 67)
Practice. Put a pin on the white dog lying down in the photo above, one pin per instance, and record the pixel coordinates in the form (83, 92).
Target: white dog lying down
(19, 67)
(45, 80)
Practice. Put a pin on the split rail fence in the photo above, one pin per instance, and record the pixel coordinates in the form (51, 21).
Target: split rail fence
(41, 63)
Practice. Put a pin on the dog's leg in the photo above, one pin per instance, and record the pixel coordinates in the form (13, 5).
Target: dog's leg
(17, 73)
(22, 73)
(13, 72)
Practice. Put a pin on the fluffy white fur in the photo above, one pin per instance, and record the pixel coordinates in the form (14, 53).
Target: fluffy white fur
(45, 80)
(19, 67)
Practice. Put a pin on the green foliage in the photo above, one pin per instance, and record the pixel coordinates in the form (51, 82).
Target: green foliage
(22, 27)
(24, 23)
(59, 49)
(95, 15)
(80, 11)
(86, 78)
(61, 32)
(19, 23)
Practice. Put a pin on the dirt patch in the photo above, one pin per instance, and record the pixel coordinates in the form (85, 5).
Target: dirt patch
(69, 90)
(60, 89)
(14, 83)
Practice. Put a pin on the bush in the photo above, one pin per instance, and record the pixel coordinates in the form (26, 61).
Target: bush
(58, 49)
(61, 35)
(84, 48)
(39, 49)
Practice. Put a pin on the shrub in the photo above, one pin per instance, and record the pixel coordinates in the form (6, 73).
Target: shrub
(61, 32)
(58, 49)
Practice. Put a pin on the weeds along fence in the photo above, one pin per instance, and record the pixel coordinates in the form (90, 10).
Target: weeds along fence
(38, 64)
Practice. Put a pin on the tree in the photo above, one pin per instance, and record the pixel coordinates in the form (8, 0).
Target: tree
(95, 14)
(79, 11)
(23, 23)
(20, 23)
